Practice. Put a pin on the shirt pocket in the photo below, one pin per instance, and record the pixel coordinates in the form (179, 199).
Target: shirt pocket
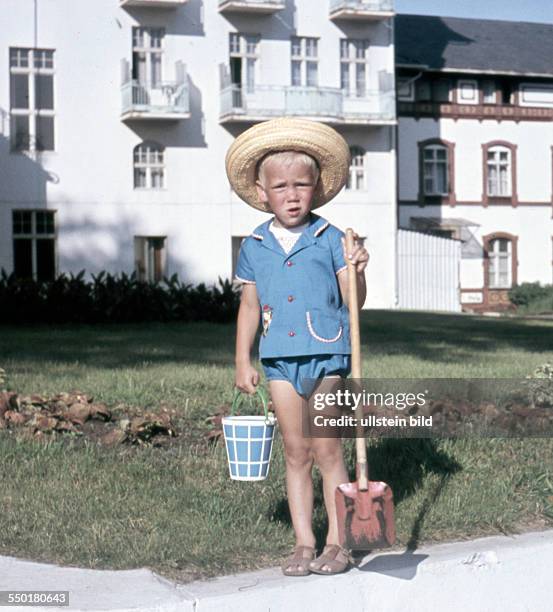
(323, 325)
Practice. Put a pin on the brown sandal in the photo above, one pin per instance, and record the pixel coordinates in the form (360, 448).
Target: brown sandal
(297, 564)
(329, 558)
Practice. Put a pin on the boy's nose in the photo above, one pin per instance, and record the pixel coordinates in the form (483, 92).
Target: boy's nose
(292, 193)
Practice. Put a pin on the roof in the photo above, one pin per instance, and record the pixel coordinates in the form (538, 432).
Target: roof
(480, 45)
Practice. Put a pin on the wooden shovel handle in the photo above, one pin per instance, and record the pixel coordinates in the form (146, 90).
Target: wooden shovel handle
(353, 305)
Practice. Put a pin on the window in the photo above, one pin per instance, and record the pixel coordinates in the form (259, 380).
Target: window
(507, 89)
(489, 92)
(304, 61)
(354, 67)
(32, 99)
(467, 92)
(149, 166)
(147, 56)
(356, 178)
(423, 91)
(405, 89)
(500, 263)
(34, 244)
(150, 255)
(243, 52)
(499, 172)
(435, 160)
(440, 90)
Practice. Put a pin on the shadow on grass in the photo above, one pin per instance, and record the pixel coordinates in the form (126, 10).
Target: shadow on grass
(122, 346)
(404, 465)
(431, 336)
(447, 338)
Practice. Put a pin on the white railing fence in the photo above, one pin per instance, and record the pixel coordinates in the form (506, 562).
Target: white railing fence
(428, 272)
(269, 100)
(372, 5)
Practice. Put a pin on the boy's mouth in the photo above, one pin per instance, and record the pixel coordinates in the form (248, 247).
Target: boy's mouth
(294, 211)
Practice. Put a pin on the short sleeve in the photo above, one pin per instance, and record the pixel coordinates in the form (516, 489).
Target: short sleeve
(337, 251)
(244, 271)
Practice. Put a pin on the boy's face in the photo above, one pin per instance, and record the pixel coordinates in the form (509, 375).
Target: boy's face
(288, 189)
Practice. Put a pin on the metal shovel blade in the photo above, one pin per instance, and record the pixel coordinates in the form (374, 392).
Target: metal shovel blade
(365, 518)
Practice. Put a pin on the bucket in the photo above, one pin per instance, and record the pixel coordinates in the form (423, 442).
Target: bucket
(249, 440)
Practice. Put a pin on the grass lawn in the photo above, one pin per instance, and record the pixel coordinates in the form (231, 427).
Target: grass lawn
(176, 510)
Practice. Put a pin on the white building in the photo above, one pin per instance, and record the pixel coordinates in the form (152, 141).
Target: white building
(475, 142)
(115, 116)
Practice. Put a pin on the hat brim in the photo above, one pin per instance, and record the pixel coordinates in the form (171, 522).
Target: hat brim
(320, 141)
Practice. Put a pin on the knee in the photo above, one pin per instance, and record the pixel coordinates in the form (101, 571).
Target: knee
(298, 456)
(327, 457)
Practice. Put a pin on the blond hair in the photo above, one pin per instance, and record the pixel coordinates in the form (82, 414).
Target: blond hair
(287, 158)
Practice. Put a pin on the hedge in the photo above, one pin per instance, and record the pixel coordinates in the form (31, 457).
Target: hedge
(111, 298)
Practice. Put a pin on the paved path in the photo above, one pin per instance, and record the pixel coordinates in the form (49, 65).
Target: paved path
(496, 574)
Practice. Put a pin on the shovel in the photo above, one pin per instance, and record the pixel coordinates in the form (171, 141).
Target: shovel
(364, 509)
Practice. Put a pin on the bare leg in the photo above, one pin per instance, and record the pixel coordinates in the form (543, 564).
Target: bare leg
(329, 459)
(299, 459)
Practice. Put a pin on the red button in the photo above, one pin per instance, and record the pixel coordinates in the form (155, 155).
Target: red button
(291, 334)
(289, 263)
(290, 298)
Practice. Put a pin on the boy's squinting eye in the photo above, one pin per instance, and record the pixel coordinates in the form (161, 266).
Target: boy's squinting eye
(299, 184)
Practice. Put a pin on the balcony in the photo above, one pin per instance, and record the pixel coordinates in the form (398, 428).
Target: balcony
(328, 104)
(164, 101)
(251, 6)
(152, 3)
(371, 10)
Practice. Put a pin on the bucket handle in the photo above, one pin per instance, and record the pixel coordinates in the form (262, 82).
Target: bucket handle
(238, 400)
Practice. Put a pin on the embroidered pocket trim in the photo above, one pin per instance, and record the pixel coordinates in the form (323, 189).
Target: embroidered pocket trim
(267, 317)
(316, 336)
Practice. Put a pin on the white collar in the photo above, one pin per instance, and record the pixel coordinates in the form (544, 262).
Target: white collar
(285, 231)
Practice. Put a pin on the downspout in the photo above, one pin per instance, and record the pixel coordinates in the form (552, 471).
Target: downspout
(35, 24)
(396, 234)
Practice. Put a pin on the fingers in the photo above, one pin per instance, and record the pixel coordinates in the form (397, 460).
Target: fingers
(246, 387)
(248, 384)
(359, 256)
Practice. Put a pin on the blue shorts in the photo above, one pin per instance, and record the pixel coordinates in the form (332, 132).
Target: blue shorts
(296, 369)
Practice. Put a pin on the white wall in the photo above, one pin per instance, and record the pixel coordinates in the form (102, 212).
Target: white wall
(88, 179)
(533, 138)
(531, 220)
(532, 224)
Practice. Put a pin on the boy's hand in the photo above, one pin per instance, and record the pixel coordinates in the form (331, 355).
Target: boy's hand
(246, 378)
(359, 257)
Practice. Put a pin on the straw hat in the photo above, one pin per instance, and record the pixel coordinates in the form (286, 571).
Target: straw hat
(288, 134)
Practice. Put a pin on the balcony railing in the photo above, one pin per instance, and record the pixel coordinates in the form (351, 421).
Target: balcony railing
(361, 9)
(164, 100)
(251, 6)
(152, 3)
(333, 105)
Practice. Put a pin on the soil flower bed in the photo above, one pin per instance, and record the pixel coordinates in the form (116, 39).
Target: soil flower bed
(40, 417)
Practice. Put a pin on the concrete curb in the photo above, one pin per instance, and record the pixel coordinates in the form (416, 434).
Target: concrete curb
(485, 575)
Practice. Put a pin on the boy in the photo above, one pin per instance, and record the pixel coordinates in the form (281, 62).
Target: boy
(293, 272)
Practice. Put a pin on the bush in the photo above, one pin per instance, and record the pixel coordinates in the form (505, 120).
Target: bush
(113, 299)
(532, 294)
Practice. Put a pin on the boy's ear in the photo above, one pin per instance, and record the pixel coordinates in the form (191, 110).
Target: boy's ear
(261, 193)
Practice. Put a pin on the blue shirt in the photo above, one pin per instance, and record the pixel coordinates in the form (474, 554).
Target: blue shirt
(302, 311)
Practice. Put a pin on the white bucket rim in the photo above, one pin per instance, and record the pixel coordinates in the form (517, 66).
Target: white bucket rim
(249, 420)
